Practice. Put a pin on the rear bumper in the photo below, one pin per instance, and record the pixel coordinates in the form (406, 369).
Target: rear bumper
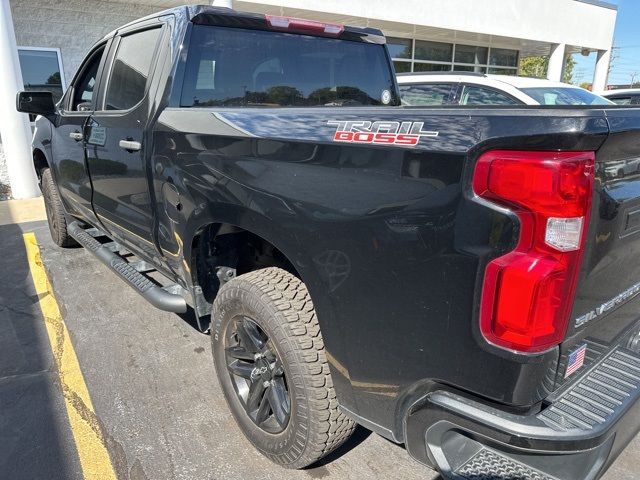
(576, 437)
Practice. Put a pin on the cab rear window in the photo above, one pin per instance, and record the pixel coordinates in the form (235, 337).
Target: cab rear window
(234, 67)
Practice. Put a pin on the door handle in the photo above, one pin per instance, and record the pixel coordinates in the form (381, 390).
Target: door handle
(77, 136)
(130, 145)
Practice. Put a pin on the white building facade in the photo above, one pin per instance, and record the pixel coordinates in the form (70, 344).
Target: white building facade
(42, 43)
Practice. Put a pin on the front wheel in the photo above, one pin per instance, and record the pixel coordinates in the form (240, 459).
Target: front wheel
(270, 361)
(55, 211)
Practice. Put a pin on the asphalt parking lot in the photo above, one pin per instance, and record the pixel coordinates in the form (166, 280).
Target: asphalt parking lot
(152, 383)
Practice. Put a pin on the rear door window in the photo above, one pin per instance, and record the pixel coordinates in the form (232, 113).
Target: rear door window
(130, 70)
(234, 67)
(625, 99)
(476, 95)
(426, 94)
(620, 100)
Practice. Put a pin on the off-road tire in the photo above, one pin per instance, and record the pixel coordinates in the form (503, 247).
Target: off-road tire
(55, 211)
(281, 306)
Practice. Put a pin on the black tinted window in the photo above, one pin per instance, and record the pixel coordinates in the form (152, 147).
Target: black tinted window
(620, 100)
(431, 67)
(485, 96)
(84, 86)
(237, 67)
(503, 57)
(399, 47)
(130, 69)
(426, 94)
(437, 51)
(471, 54)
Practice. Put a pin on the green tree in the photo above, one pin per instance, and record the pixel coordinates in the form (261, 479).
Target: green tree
(537, 66)
(54, 79)
(284, 95)
(569, 64)
(534, 67)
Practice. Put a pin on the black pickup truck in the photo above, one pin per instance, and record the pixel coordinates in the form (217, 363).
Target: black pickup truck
(461, 280)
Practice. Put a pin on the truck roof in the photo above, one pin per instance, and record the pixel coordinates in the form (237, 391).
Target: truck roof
(222, 16)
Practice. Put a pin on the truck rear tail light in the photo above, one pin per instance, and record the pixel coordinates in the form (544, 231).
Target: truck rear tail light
(304, 26)
(528, 293)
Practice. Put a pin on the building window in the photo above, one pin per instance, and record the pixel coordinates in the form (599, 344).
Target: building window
(503, 71)
(431, 67)
(400, 47)
(402, 67)
(471, 54)
(426, 56)
(503, 58)
(42, 70)
(433, 51)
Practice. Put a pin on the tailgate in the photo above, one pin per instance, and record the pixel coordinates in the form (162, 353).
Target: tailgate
(607, 303)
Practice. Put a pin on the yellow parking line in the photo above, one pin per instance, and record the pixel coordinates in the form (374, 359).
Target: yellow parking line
(87, 433)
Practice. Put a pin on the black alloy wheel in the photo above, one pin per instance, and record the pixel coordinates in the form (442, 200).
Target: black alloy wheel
(258, 375)
(271, 364)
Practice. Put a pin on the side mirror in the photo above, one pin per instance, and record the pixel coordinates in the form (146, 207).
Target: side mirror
(36, 103)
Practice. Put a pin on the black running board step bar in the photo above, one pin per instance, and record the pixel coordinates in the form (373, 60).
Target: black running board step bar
(154, 294)
(94, 232)
(142, 266)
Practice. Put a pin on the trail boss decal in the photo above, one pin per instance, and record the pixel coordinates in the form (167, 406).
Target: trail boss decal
(384, 133)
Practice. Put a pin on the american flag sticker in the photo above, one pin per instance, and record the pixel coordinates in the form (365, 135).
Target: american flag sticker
(575, 360)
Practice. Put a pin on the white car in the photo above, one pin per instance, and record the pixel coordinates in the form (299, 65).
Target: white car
(454, 88)
(626, 96)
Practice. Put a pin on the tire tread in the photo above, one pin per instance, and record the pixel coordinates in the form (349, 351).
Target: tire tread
(329, 426)
(58, 230)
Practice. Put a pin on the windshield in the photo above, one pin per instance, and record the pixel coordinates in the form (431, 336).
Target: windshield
(564, 96)
(239, 67)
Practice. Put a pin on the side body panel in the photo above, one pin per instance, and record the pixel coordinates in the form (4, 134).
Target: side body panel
(69, 162)
(389, 240)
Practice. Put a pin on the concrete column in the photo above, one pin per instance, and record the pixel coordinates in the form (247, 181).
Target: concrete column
(556, 62)
(601, 73)
(15, 131)
(222, 3)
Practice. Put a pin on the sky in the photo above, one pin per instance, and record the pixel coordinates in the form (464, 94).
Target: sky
(626, 52)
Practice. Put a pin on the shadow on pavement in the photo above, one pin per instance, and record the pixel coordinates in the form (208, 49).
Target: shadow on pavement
(359, 435)
(35, 439)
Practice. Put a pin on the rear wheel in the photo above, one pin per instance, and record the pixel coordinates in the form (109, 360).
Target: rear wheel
(55, 211)
(270, 360)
